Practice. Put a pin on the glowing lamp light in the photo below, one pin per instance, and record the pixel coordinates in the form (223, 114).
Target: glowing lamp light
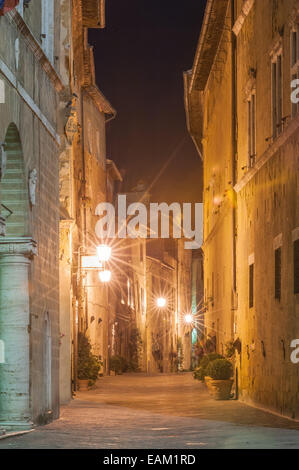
(161, 302)
(103, 252)
(188, 319)
(105, 276)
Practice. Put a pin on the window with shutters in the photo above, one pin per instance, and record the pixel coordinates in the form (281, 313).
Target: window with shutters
(294, 39)
(251, 285)
(278, 273)
(296, 267)
(277, 121)
(251, 130)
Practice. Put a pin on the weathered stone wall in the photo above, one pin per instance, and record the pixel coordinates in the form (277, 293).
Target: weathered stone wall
(184, 284)
(32, 109)
(161, 322)
(218, 203)
(265, 197)
(95, 193)
(267, 216)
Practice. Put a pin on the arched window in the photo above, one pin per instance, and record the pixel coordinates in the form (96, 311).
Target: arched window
(14, 187)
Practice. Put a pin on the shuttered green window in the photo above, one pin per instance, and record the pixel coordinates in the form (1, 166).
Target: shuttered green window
(296, 267)
(278, 274)
(251, 286)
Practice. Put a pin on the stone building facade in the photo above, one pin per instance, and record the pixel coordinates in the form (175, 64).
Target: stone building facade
(152, 270)
(83, 185)
(29, 245)
(127, 304)
(145, 270)
(245, 126)
(54, 173)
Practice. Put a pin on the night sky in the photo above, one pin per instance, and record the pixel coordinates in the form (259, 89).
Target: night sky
(140, 59)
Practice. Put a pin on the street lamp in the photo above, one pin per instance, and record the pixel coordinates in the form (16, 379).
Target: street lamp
(188, 319)
(104, 253)
(105, 276)
(161, 302)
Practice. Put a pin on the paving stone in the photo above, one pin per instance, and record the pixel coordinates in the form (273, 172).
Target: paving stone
(158, 412)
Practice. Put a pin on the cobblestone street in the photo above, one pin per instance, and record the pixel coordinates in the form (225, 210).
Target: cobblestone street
(170, 411)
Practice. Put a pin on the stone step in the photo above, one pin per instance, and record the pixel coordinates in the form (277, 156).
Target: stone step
(12, 147)
(17, 215)
(11, 181)
(14, 166)
(11, 196)
(14, 159)
(12, 173)
(15, 171)
(12, 202)
(16, 190)
(17, 223)
(13, 221)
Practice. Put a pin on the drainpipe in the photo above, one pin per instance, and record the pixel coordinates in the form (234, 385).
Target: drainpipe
(234, 72)
(83, 167)
(233, 161)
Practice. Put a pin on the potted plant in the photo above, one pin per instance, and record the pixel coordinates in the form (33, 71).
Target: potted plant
(118, 364)
(89, 365)
(229, 350)
(218, 379)
(201, 371)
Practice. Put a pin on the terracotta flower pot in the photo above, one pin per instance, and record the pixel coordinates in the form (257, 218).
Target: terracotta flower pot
(219, 389)
(83, 385)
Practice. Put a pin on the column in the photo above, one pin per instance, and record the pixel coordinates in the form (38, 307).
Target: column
(15, 260)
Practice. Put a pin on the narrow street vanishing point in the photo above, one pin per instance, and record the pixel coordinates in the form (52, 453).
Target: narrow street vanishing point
(136, 411)
(149, 225)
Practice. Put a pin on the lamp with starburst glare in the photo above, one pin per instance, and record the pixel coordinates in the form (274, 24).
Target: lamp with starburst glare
(104, 253)
(161, 302)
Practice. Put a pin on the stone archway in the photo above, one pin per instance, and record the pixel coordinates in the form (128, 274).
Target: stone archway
(16, 251)
(14, 187)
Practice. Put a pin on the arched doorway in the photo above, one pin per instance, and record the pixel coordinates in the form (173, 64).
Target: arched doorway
(16, 252)
(14, 187)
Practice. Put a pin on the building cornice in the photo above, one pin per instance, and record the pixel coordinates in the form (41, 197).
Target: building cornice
(211, 32)
(25, 246)
(99, 99)
(246, 8)
(36, 49)
(93, 13)
(162, 264)
(113, 170)
(90, 87)
(194, 113)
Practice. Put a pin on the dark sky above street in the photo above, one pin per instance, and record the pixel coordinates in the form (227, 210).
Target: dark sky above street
(140, 58)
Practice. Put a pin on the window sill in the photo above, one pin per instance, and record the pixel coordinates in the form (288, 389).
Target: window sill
(289, 131)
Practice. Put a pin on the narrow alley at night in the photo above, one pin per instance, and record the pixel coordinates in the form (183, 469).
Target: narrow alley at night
(149, 229)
